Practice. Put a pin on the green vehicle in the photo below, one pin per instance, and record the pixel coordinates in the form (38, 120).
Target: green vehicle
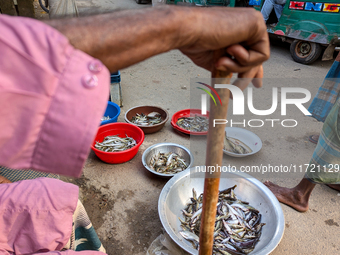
(309, 27)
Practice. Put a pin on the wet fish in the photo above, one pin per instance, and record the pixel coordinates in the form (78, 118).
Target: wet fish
(152, 118)
(114, 143)
(236, 146)
(237, 227)
(167, 163)
(195, 124)
(105, 118)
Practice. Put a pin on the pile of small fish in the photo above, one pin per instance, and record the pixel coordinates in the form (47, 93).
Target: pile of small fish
(196, 124)
(237, 227)
(236, 146)
(167, 163)
(114, 143)
(152, 118)
(105, 118)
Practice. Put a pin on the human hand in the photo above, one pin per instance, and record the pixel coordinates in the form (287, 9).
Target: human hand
(4, 180)
(241, 32)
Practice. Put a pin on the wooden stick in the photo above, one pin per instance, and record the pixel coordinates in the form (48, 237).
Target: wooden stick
(214, 157)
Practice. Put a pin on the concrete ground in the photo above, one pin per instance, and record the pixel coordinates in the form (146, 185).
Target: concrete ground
(121, 200)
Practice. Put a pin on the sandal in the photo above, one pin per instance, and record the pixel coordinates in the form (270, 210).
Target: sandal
(314, 138)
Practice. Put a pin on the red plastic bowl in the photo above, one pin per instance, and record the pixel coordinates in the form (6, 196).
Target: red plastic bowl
(187, 113)
(122, 130)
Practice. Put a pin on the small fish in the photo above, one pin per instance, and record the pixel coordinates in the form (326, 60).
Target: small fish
(196, 123)
(189, 236)
(167, 163)
(114, 143)
(152, 118)
(105, 118)
(236, 146)
(237, 226)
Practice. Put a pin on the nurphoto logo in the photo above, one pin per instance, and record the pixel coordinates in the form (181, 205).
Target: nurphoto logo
(239, 104)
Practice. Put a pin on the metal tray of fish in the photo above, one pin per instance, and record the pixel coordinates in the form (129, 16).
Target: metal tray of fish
(191, 122)
(240, 142)
(238, 225)
(176, 194)
(168, 167)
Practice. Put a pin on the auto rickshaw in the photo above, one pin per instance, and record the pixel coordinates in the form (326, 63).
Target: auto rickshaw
(309, 27)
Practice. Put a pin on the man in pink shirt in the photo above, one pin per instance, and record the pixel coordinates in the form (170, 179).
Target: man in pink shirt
(55, 83)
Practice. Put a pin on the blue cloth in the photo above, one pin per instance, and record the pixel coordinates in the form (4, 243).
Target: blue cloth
(268, 6)
(327, 95)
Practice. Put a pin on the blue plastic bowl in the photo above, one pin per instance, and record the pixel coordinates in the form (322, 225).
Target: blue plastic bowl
(113, 111)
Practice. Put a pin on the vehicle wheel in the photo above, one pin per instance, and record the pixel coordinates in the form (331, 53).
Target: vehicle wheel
(305, 52)
(138, 1)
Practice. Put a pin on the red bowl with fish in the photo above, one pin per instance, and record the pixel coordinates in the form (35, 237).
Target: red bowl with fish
(122, 130)
(187, 113)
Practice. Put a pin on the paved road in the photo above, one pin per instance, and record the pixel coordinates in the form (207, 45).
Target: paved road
(128, 222)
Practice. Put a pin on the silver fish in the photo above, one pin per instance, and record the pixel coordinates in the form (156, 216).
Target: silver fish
(237, 227)
(236, 146)
(167, 163)
(196, 123)
(114, 143)
(152, 118)
(105, 118)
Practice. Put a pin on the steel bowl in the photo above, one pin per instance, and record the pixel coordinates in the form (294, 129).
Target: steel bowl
(165, 148)
(178, 190)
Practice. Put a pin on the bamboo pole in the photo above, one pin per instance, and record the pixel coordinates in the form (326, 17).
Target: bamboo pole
(214, 155)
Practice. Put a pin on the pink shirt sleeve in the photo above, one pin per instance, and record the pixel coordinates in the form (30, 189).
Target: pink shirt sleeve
(52, 98)
(36, 215)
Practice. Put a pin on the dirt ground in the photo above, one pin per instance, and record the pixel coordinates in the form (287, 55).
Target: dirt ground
(121, 200)
(141, 221)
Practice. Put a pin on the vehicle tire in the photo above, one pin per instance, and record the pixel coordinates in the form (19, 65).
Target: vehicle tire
(305, 52)
(138, 1)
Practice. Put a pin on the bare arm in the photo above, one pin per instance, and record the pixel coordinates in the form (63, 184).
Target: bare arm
(4, 180)
(123, 38)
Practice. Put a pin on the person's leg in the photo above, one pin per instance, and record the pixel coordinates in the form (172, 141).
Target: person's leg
(267, 9)
(296, 197)
(334, 186)
(278, 8)
(322, 167)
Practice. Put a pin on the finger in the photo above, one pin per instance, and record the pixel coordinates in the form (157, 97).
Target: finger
(242, 83)
(257, 81)
(255, 55)
(253, 75)
(227, 64)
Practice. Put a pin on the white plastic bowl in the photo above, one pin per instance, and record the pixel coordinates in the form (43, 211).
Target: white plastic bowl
(247, 137)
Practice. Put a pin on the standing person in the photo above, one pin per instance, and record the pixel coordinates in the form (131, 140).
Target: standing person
(269, 5)
(328, 94)
(54, 90)
(324, 167)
